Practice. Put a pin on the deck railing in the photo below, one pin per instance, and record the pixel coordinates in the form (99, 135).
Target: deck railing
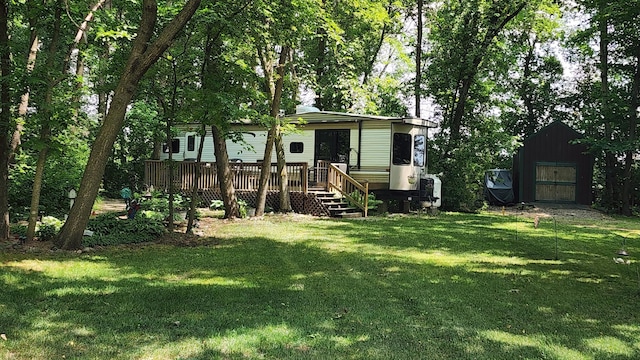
(352, 190)
(321, 173)
(246, 176)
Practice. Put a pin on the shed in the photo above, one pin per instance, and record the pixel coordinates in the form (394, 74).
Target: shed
(551, 167)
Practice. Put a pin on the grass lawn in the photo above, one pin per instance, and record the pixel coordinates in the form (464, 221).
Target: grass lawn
(454, 286)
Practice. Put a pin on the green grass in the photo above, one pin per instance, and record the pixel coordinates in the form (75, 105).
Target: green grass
(447, 287)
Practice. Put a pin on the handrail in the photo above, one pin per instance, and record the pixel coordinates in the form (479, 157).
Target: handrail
(348, 187)
(245, 175)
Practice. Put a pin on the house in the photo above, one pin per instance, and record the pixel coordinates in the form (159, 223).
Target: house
(552, 167)
(388, 154)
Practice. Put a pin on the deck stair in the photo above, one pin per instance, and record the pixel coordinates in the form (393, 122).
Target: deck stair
(337, 206)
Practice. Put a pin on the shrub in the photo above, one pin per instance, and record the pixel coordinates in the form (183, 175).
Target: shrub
(159, 202)
(110, 230)
(217, 205)
(19, 229)
(48, 228)
(243, 208)
(372, 203)
(153, 215)
(47, 232)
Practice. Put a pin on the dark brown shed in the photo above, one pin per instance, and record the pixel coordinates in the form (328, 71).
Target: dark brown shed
(550, 167)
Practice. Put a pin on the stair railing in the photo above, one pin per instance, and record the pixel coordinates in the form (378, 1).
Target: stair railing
(351, 189)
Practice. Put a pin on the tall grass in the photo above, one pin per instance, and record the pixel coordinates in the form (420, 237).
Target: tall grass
(451, 286)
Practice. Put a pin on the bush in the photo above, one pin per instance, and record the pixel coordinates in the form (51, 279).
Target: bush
(47, 232)
(372, 203)
(159, 202)
(243, 208)
(110, 230)
(49, 227)
(56, 183)
(217, 205)
(18, 229)
(152, 215)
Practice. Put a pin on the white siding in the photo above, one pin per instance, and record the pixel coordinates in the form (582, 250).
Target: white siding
(252, 149)
(375, 148)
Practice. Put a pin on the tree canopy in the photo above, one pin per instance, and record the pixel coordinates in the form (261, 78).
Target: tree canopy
(97, 85)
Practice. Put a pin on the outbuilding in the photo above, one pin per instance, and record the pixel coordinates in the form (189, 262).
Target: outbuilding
(552, 166)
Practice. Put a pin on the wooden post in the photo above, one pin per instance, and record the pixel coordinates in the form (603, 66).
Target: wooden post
(305, 178)
(366, 197)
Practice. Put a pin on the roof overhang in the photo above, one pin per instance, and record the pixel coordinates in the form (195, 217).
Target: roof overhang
(339, 117)
(320, 117)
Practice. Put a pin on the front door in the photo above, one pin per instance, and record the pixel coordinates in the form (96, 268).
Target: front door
(333, 146)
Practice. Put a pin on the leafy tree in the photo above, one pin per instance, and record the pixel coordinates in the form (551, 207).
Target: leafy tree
(529, 74)
(609, 106)
(5, 117)
(135, 144)
(340, 62)
(228, 88)
(462, 39)
(144, 54)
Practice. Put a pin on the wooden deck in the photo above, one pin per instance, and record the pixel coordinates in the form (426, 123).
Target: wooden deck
(246, 176)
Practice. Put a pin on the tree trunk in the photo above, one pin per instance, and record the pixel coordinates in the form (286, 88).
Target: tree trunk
(276, 98)
(285, 197)
(210, 67)
(265, 172)
(143, 56)
(374, 54)
(37, 187)
(45, 132)
(5, 118)
(196, 180)
(458, 113)
(171, 168)
(468, 76)
(169, 112)
(225, 175)
(631, 148)
(319, 67)
(418, 82)
(24, 99)
(609, 200)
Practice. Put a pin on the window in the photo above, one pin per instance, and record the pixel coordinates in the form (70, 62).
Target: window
(296, 148)
(175, 146)
(419, 150)
(401, 149)
(191, 143)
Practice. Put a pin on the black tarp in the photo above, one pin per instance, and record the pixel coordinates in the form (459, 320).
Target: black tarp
(498, 187)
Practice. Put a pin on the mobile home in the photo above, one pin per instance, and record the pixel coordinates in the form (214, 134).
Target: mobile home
(388, 153)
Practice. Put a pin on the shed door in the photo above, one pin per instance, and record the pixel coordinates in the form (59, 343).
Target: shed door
(556, 182)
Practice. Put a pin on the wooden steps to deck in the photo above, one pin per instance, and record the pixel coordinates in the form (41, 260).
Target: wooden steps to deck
(338, 208)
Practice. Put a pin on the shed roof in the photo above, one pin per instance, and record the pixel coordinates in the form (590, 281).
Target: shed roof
(556, 124)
